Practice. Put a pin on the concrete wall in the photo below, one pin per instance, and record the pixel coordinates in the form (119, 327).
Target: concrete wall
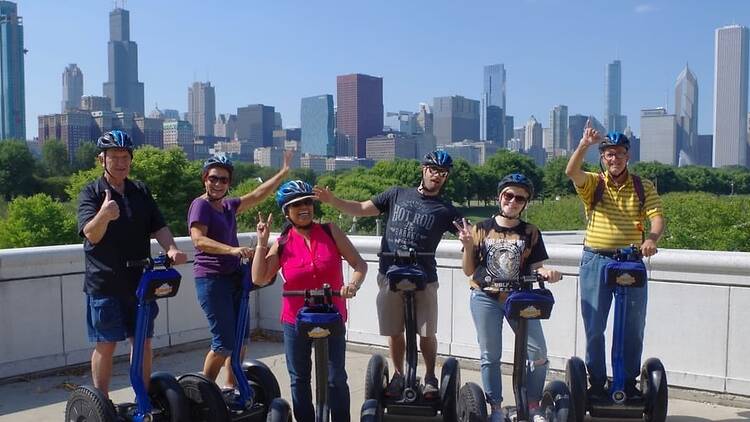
(696, 324)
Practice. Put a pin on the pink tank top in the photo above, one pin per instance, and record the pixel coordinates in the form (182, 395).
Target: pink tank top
(308, 268)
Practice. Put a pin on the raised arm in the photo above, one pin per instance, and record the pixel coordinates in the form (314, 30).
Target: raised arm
(573, 170)
(352, 256)
(255, 196)
(355, 208)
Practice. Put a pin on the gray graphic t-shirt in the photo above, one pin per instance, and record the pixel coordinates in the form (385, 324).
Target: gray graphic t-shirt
(414, 221)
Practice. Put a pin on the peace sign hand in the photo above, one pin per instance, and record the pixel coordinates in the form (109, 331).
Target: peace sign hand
(264, 229)
(464, 232)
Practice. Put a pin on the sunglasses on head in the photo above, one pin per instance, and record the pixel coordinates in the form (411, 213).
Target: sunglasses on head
(518, 198)
(305, 202)
(218, 179)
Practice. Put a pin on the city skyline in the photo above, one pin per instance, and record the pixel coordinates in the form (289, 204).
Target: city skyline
(449, 62)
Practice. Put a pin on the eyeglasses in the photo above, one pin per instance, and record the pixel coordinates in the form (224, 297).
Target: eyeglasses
(438, 171)
(518, 198)
(613, 155)
(306, 202)
(218, 179)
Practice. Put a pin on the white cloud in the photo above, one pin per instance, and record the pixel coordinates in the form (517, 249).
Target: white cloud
(645, 8)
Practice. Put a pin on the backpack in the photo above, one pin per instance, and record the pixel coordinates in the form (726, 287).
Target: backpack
(637, 186)
(285, 235)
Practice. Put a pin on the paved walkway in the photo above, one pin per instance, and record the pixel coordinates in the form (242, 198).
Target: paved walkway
(42, 399)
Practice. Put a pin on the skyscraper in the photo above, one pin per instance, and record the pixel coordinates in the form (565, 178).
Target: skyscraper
(658, 136)
(123, 87)
(613, 119)
(558, 122)
(72, 82)
(730, 96)
(318, 124)
(255, 125)
(12, 89)
(359, 101)
(576, 126)
(455, 118)
(493, 110)
(202, 108)
(686, 113)
(534, 141)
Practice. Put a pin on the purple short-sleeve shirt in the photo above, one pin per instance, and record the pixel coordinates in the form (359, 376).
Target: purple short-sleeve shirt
(222, 227)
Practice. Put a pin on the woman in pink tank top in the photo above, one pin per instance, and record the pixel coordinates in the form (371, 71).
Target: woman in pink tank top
(308, 255)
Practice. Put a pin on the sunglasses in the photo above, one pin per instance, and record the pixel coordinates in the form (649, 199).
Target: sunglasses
(306, 202)
(518, 198)
(613, 155)
(438, 171)
(218, 179)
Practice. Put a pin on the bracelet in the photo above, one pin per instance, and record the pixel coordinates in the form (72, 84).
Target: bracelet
(261, 247)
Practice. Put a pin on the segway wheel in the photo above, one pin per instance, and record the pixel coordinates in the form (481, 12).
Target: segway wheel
(167, 397)
(87, 404)
(575, 377)
(371, 411)
(450, 381)
(655, 390)
(472, 406)
(279, 411)
(556, 405)
(204, 398)
(376, 378)
(263, 382)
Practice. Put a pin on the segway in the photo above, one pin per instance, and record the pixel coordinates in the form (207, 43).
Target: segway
(625, 272)
(256, 396)
(407, 277)
(523, 303)
(318, 320)
(164, 399)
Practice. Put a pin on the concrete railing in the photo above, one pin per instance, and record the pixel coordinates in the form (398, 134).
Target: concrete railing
(697, 311)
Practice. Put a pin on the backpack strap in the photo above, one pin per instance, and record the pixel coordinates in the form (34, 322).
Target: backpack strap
(638, 187)
(598, 192)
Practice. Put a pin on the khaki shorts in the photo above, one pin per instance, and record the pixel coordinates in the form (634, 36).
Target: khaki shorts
(390, 306)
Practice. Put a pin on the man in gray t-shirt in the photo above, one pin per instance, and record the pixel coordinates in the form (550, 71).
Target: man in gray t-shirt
(415, 218)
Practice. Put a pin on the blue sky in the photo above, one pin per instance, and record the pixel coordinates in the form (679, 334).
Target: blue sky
(276, 52)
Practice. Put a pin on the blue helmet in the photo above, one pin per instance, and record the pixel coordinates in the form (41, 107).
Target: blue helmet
(516, 179)
(615, 139)
(293, 191)
(218, 161)
(438, 158)
(115, 139)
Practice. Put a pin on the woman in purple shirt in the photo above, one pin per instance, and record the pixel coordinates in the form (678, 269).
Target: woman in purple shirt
(212, 220)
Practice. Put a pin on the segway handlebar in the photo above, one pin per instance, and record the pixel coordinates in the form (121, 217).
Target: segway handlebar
(404, 254)
(523, 282)
(326, 291)
(149, 263)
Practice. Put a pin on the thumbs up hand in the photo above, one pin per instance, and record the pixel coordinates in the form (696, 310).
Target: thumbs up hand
(110, 210)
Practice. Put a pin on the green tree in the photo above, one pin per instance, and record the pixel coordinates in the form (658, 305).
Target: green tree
(403, 172)
(16, 169)
(556, 182)
(37, 221)
(54, 159)
(699, 179)
(308, 175)
(505, 162)
(243, 171)
(462, 183)
(735, 179)
(662, 175)
(85, 156)
(78, 180)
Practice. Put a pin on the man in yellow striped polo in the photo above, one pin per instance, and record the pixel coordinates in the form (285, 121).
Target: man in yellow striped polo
(617, 204)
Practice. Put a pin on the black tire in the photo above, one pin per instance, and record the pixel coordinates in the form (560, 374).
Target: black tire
(167, 395)
(87, 404)
(279, 411)
(472, 407)
(556, 405)
(575, 377)
(262, 381)
(376, 378)
(655, 390)
(205, 399)
(450, 381)
(371, 411)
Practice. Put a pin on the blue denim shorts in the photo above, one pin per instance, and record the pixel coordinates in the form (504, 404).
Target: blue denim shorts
(219, 297)
(112, 319)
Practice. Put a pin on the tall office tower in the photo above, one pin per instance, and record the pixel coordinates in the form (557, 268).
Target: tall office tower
(686, 113)
(12, 89)
(424, 119)
(202, 108)
(558, 122)
(318, 124)
(359, 102)
(508, 127)
(613, 119)
(576, 125)
(730, 96)
(123, 87)
(533, 134)
(658, 136)
(226, 126)
(455, 118)
(72, 82)
(255, 125)
(277, 122)
(493, 110)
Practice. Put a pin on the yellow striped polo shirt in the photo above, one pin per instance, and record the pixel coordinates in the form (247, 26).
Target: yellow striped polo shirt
(617, 220)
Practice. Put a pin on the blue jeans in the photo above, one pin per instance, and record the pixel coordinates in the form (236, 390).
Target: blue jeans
(596, 300)
(110, 319)
(297, 349)
(219, 297)
(488, 314)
